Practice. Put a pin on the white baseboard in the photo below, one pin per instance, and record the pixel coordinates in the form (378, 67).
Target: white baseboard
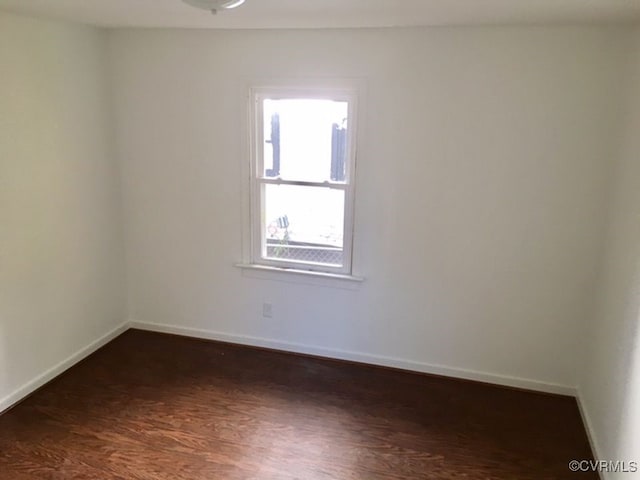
(404, 364)
(588, 426)
(56, 370)
(360, 357)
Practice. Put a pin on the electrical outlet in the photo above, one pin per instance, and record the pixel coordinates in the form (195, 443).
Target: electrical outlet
(267, 310)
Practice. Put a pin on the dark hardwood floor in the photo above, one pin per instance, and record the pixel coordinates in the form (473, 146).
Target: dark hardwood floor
(153, 406)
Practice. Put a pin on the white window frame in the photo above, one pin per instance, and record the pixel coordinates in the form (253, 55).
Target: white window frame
(258, 181)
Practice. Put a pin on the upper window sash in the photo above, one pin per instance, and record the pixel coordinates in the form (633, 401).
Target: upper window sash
(259, 95)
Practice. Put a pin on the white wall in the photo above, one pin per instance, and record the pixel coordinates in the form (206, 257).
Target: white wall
(610, 387)
(481, 188)
(61, 249)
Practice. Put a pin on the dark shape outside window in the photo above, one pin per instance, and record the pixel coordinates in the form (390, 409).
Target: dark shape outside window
(338, 152)
(275, 145)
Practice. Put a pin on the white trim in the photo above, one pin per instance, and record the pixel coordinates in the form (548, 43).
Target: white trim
(312, 273)
(404, 364)
(360, 357)
(32, 385)
(588, 426)
(303, 183)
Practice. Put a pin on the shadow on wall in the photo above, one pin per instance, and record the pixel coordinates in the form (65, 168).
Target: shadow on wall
(4, 364)
(628, 440)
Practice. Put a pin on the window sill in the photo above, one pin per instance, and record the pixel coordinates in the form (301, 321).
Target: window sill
(307, 274)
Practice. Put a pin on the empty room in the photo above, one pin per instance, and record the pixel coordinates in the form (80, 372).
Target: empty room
(319, 240)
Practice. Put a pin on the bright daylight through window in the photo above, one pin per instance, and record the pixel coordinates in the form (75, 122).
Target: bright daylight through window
(302, 179)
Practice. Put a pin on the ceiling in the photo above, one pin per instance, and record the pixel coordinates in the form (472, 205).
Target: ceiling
(331, 13)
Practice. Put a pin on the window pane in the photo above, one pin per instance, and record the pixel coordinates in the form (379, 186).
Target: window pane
(305, 139)
(304, 224)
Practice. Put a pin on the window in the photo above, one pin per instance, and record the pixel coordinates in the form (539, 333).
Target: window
(302, 179)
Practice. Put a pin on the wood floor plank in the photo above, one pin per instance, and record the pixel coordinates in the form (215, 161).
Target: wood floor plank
(150, 406)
